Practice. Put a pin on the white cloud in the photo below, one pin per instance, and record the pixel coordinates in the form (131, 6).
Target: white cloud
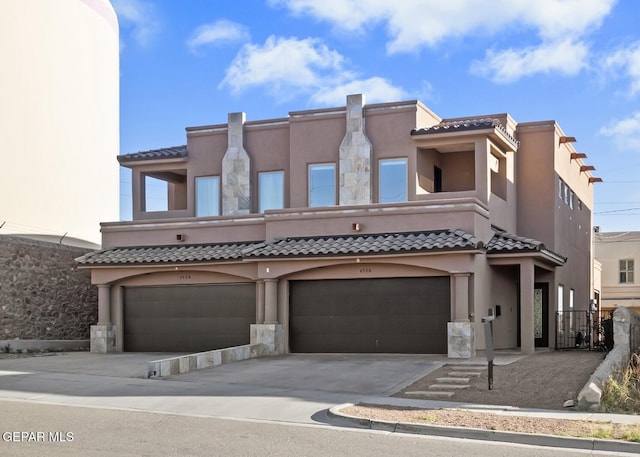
(414, 24)
(219, 32)
(287, 67)
(628, 60)
(625, 133)
(139, 16)
(376, 89)
(565, 57)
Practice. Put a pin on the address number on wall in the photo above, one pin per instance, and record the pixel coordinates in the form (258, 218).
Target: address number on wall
(183, 277)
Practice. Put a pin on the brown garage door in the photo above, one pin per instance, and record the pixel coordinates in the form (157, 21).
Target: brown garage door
(188, 318)
(390, 315)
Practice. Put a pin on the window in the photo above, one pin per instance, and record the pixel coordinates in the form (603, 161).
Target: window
(560, 298)
(560, 188)
(270, 190)
(626, 271)
(322, 184)
(571, 293)
(207, 196)
(571, 199)
(561, 308)
(393, 180)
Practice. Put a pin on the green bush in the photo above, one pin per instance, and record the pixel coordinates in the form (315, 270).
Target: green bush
(622, 392)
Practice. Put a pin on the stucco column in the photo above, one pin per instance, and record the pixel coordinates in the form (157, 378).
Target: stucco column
(461, 297)
(527, 281)
(483, 177)
(270, 301)
(104, 304)
(117, 316)
(260, 302)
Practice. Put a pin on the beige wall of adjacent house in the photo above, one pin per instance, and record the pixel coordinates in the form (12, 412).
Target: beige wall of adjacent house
(610, 249)
(59, 117)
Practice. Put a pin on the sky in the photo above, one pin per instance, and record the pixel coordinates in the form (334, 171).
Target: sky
(191, 62)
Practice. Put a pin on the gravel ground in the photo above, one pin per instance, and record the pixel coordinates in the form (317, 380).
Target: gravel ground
(490, 421)
(544, 380)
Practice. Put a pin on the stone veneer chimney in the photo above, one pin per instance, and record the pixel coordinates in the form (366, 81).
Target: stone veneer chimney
(355, 156)
(236, 170)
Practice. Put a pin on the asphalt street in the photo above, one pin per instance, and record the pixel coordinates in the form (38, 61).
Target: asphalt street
(112, 432)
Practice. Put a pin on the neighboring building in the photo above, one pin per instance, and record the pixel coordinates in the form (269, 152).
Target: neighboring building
(398, 237)
(619, 254)
(59, 118)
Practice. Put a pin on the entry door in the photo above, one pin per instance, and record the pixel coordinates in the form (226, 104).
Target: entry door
(541, 314)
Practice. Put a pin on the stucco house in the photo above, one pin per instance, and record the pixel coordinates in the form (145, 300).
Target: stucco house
(617, 253)
(362, 228)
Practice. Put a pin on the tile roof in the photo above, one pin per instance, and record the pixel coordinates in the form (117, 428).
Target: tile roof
(174, 152)
(144, 255)
(465, 125)
(360, 244)
(440, 240)
(505, 243)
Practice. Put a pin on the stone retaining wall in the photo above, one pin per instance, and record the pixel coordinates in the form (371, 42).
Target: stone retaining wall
(626, 340)
(43, 296)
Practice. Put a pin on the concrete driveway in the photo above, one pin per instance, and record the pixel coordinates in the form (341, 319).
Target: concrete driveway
(292, 388)
(378, 374)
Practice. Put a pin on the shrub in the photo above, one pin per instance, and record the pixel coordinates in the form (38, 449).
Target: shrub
(622, 392)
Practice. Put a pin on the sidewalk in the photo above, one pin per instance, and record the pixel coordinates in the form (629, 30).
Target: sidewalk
(593, 444)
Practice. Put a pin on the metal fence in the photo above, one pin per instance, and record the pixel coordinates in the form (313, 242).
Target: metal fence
(575, 330)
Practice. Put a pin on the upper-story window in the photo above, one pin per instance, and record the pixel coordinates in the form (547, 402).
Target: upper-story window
(270, 190)
(498, 167)
(322, 184)
(393, 180)
(207, 196)
(626, 271)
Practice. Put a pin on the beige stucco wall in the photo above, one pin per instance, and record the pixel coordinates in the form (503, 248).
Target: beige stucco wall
(59, 116)
(544, 216)
(610, 248)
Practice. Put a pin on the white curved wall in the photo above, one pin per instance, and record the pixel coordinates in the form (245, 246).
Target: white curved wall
(58, 117)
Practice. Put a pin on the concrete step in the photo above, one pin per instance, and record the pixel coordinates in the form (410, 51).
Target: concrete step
(448, 386)
(464, 374)
(468, 367)
(430, 393)
(455, 380)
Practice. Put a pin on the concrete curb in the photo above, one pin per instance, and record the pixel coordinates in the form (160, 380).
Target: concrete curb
(592, 444)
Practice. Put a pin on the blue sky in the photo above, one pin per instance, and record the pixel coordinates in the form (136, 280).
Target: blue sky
(188, 63)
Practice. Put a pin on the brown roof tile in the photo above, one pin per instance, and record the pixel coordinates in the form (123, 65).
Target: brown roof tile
(362, 244)
(189, 253)
(174, 152)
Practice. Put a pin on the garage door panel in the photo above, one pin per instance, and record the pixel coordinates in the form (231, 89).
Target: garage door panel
(401, 315)
(187, 318)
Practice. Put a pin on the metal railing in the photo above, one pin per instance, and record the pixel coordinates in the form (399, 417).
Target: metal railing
(575, 330)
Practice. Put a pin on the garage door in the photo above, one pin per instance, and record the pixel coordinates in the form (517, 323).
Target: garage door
(188, 318)
(391, 315)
